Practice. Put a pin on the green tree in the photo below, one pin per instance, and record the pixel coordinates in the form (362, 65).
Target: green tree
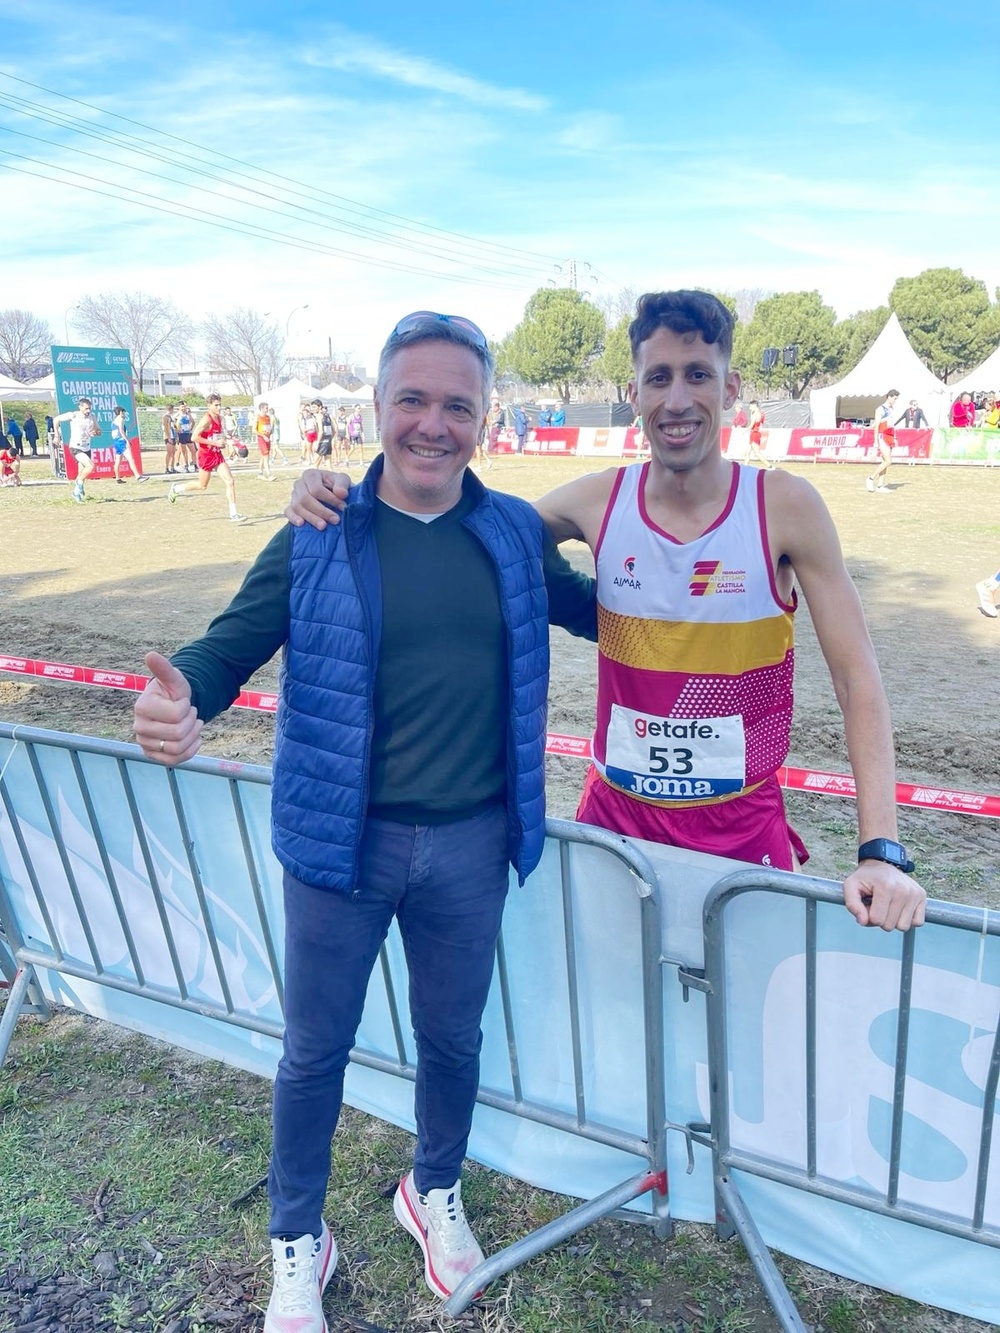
(797, 319)
(556, 340)
(614, 365)
(948, 319)
(858, 332)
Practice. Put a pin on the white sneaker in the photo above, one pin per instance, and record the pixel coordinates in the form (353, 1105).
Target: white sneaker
(237, 518)
(869, 485)
(436, 1221)
(302, 1269)
(986, 603)
(172, 492)
(883, 490)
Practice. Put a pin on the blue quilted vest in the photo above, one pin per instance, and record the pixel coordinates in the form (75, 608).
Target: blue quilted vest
(324, 728)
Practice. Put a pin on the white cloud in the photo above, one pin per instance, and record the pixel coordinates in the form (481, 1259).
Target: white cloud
(357, 53)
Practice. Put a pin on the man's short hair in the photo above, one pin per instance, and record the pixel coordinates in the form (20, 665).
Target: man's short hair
(893, 393)
(214, 398)
(431, 327)
(682, 312)
(80, 402)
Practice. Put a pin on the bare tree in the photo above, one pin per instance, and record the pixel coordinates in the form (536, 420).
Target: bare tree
(24, 343)
(747, 299)
(614, 308)
(146, 326)
(246, 347)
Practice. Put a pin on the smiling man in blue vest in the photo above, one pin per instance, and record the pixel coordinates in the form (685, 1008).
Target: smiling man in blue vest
(408, 777)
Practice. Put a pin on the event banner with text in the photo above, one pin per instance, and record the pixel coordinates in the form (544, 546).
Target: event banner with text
(104, 375)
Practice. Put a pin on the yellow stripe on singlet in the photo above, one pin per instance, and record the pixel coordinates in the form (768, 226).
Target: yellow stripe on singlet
(694, 649)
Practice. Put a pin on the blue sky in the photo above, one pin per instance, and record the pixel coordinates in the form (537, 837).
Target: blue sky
(656, 144)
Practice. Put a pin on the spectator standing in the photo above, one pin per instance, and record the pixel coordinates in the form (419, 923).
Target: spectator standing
(168, 429)
(14, 432)
(913, 418)
(545, 417)
(559, 416)
(520, 427)
(356, 436)
(30, 429)
(963, 412)
(185, 431)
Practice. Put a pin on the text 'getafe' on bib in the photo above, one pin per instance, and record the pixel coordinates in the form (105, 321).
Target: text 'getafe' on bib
(675, 759)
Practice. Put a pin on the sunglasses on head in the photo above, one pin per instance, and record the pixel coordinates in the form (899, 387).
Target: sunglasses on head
(411, 323)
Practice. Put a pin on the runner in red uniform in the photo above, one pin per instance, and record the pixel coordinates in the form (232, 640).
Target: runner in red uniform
(207, 438)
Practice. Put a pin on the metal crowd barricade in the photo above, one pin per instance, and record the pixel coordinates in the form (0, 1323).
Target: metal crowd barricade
(910, 1062)
(134, 880)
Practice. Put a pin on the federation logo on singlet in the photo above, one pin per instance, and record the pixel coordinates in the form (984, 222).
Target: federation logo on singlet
(708, 577)
(628, 579)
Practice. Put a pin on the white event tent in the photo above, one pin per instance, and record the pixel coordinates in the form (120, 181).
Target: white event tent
(890, 363)
(286, 401)
(364, 394)
(984, 380)
(41, 391)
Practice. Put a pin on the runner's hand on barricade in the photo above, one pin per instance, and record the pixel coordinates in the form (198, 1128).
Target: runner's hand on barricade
(878, 894)
(166, 725)
(317, 497)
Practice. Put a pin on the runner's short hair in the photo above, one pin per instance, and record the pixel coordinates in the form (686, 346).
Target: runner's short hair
(682, 312)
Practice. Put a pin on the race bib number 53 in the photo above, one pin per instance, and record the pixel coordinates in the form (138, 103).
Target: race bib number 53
(675, 758)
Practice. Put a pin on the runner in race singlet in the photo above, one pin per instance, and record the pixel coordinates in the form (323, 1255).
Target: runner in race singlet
(264, 430)
(83, 430)
(885, 438)
(209, 436)
(694, 683)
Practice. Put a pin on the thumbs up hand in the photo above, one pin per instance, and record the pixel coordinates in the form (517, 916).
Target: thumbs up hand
(166, 724)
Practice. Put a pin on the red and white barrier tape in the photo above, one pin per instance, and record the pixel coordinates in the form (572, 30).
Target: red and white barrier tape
(795, 779)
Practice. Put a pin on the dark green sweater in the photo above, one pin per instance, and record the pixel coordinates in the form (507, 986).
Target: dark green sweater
(441, 689)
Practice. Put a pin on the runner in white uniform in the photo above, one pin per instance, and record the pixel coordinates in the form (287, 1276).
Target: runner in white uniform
(83, 430)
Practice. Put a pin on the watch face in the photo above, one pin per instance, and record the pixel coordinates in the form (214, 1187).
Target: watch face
(885, 849)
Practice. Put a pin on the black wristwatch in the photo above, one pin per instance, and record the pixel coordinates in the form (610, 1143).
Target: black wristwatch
(884, 849)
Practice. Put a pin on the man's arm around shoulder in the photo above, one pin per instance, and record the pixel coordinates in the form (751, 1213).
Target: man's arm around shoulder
(577, 508)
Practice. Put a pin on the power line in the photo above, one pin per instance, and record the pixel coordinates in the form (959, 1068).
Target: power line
(367, 212)
(242, 229)
(258, 207)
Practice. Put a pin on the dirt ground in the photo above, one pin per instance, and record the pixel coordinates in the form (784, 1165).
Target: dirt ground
(100, 583)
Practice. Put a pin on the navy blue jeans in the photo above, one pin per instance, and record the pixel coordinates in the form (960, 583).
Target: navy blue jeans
(446, 884)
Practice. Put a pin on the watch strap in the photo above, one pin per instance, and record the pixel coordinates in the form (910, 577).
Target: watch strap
(888, 850)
